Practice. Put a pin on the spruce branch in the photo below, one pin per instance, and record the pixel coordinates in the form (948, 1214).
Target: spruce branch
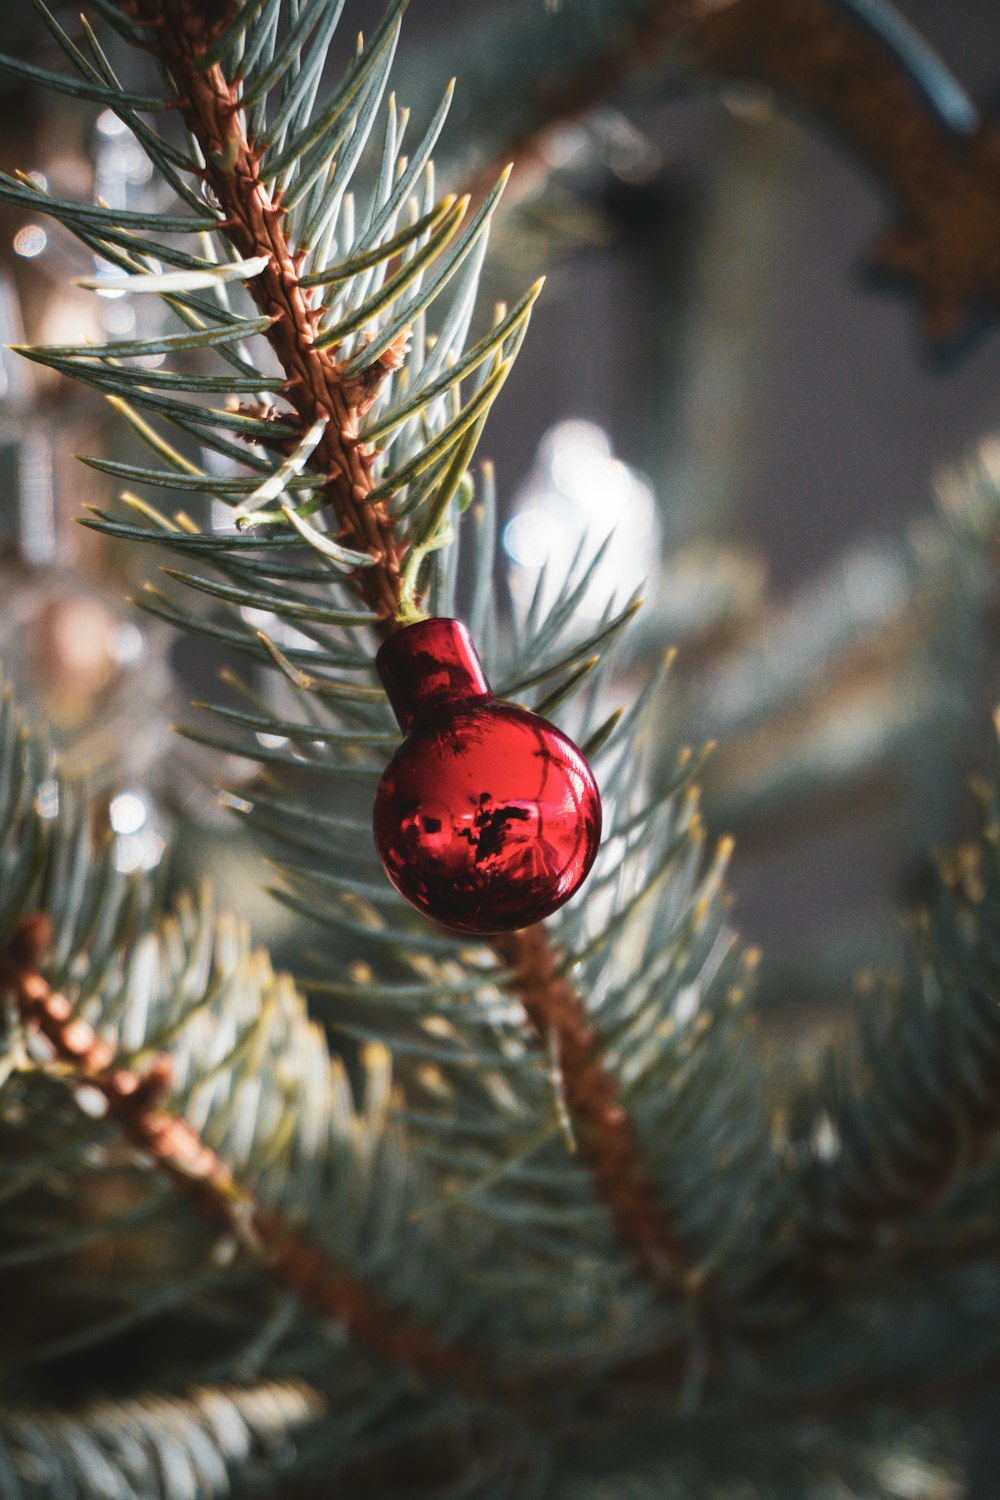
(314, 385)
(330, 399)
(116, 1449)
(134, 1099)
(629, 1006)
(597, 1115)
(910, 1108)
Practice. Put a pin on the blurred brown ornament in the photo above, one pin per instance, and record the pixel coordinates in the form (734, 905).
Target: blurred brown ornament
(865, 71)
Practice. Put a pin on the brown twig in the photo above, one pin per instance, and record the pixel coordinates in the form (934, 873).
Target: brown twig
(607, 1139)
(316, 388)
(135, 1102)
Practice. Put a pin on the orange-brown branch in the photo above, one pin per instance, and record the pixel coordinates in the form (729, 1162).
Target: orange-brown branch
(606, 1136)
(254, 224)
(135, 1101)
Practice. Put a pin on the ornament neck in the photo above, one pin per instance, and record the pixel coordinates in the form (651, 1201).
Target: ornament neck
(430, 666)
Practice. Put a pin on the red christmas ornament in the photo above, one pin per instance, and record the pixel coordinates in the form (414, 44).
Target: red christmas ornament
(487, 817)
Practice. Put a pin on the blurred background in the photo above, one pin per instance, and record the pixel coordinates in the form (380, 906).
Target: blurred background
(800, 486)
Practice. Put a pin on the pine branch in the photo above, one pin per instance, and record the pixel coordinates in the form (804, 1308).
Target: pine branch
(600, 1122)
(328, 399)
(314, 384)
(134, 1102)
(238, 1042)
(117, 1450)
(619, 1027)
(911, 1107)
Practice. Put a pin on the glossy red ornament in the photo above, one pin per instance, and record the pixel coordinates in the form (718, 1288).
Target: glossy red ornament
(487, 817)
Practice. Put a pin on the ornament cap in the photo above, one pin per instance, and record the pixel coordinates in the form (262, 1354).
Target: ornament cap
(430, 666)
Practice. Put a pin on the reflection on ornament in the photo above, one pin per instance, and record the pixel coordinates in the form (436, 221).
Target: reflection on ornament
(487, 817)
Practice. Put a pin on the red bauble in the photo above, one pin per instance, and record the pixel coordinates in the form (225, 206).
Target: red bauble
(487, 817)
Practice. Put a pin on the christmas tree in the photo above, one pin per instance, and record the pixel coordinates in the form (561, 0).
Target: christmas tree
(454, 1202)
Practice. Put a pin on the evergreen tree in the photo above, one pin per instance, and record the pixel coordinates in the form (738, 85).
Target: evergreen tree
(528, 1215)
